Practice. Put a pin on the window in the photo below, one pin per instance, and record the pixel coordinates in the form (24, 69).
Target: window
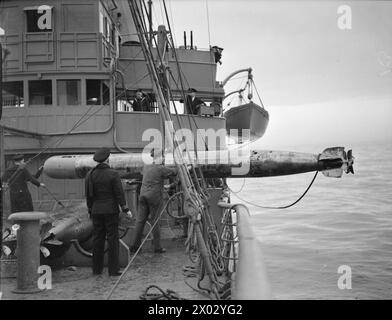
(39, 19)
(101, 22)
(97, 91)
(40, 92)
(13, 94)
(93, 90)
(68, 92)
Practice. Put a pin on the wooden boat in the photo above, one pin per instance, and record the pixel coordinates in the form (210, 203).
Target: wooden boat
(247, 116)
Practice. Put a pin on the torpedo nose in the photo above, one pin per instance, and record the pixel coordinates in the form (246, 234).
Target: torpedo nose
(60, 167)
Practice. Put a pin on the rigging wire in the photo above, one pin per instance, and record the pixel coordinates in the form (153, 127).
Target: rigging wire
(155, 74)
(214, 258)
(141, 245)
(172, 21)
(181, 76)
(201, 189)
(56, 143)
(198, 187)
(258, 94)
(280, 207)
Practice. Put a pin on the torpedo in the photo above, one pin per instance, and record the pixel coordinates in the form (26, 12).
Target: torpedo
(214, 164)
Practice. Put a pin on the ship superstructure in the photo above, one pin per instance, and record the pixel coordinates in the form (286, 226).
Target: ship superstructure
(71, 68)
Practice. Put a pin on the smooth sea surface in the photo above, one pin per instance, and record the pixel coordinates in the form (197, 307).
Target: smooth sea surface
(346, 221)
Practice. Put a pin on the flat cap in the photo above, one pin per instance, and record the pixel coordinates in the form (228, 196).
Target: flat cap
(192, 90)
(101, 154)
(18, 157)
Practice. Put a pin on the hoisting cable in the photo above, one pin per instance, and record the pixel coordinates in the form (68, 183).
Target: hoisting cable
(257, 91)
(281, 207)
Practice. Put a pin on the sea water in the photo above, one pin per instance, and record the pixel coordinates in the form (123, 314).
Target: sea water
(340, 222)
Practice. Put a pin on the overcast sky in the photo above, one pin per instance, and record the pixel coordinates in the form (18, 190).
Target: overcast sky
(302, 59)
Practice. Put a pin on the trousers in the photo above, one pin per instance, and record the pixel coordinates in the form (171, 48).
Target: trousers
(148, 208)
(105, 227)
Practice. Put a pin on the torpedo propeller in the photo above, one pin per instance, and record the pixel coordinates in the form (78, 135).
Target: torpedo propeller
(350, 162)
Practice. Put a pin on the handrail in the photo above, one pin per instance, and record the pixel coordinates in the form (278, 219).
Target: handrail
(251, 281)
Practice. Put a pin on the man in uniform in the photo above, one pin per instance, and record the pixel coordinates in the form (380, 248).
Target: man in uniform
(141, 103)
(193, 103)
(151, 199)
(104, 194)
(17, 176)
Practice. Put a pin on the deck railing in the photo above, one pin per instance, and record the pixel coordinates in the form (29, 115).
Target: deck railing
(242, 253)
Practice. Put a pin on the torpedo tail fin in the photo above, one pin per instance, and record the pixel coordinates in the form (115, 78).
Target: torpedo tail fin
(336, 161)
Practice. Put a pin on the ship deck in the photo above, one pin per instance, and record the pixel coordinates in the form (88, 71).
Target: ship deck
(78, 283)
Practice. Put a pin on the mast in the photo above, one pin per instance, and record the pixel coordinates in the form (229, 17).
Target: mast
(163, 72)
(164, 63)
(194, 206)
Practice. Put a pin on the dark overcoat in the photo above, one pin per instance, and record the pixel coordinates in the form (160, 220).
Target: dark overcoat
(104, 192)
(17, 177)
(192, 107)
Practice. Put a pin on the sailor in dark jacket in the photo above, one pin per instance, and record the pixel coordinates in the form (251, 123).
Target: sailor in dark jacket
(104, 194)
(141, 103)
(193, 103)
(16, 177)
(151, 199)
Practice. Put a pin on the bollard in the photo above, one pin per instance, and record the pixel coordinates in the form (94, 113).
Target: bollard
(28, 250)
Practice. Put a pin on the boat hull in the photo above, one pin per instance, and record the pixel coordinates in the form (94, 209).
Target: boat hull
(247, 116)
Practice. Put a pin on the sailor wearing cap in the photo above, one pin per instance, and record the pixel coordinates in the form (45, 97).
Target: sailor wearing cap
(141, 102)
(193, 103)
(16, 177)
(151, 199)
(104, 195)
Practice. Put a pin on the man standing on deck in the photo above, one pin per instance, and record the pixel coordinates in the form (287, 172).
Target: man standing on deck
(151, 199)
(17, 176)
(104, 195)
